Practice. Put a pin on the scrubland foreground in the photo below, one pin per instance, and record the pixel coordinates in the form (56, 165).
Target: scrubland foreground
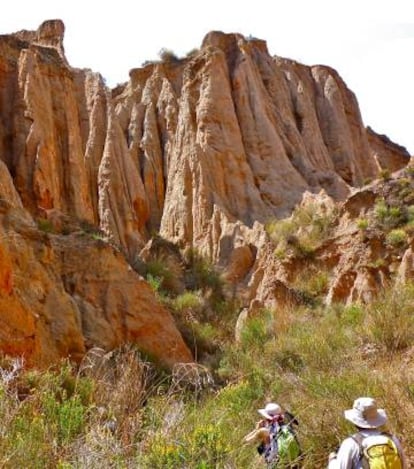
(117, 410)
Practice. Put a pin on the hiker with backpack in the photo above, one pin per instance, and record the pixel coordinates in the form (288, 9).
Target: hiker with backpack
(369, 447)
(276, 435)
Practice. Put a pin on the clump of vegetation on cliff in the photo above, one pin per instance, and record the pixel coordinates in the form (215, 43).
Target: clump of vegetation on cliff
(303, 232)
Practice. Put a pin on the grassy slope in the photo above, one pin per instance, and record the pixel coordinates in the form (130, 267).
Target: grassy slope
(313, 362)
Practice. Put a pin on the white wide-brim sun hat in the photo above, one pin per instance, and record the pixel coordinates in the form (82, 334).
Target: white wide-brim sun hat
(365, 414)
(270, 411)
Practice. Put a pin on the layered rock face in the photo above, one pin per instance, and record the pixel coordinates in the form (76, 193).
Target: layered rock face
(203, 150)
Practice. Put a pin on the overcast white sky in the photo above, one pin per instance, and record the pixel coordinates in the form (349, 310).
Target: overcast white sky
(369, 42)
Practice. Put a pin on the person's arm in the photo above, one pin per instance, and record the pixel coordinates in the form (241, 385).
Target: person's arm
(348, 453)
(261, 423)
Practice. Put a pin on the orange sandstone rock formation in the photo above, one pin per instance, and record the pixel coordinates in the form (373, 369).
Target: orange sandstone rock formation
(203, 150)
(63, 294)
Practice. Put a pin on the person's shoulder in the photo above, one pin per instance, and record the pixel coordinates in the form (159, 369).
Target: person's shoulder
(389, 435)
(350, 442)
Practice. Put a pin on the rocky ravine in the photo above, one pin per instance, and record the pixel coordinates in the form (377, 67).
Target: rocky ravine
(203, 150)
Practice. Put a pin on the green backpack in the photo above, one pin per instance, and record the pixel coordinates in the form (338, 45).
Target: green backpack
(380, 452)
(288, 448)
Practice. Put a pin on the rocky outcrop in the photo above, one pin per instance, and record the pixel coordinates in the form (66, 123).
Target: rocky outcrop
(202, 150)
(63, 294)
(389, 155)
(368, 250)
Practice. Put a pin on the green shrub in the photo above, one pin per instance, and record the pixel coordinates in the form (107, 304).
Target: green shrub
(395, 212)
(377, 263)
(44, 424)
(98, 236)
(367, 181)
(409, 170)
(209, 446)
(389, 216)
(404, 182)
(385, 174)
(205, 332)
(311, 284)
(410, 213)
(161, 452)
(381, 210)
(92, 230)
(352, 315)
(390, 319)
(27, 442)
(362, 224)
(318, 283)
(280, 253)
(67, 416)
(257, 331)
(187, 300)
(168, 56)
(406, 193)
(396, 237)
(303, 232)
(289, 359)
(155, 282)
(203, 275)
(159, 269)
(280, 230)
(236, 397)
(314, 362)
(305, 249)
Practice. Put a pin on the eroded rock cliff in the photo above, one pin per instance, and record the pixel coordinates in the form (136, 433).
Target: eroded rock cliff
(203, 150)
(63, 294)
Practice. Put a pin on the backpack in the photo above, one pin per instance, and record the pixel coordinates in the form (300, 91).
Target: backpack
(288, 447)
(284, 449)
(378, 452)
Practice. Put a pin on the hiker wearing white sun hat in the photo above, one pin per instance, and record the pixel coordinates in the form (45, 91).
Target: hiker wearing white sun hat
(271, 413)
(278, 443)
(369, 443)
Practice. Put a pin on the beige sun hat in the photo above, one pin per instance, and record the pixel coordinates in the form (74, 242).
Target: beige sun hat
(270, 411)
(365, 413)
